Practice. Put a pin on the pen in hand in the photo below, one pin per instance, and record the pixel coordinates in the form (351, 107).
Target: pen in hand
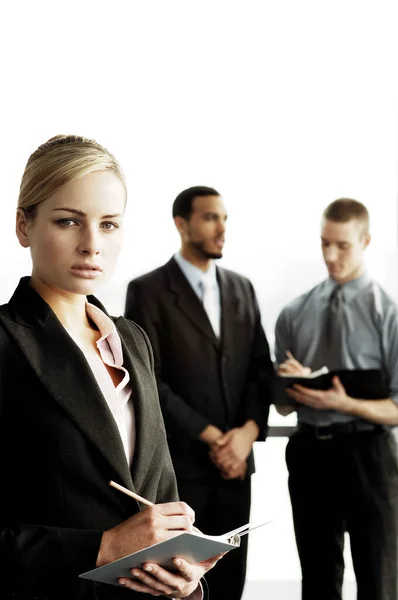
(124, 490)
(292, 359)
(293, 367)
(130, 493)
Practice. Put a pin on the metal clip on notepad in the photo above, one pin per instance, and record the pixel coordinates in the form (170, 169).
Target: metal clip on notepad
(234, 536)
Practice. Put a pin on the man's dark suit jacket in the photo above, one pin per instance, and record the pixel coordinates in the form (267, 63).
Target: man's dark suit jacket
(203, 380)
(60, 446)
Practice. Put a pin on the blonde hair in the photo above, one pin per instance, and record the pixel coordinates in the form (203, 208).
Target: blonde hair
(59, 161)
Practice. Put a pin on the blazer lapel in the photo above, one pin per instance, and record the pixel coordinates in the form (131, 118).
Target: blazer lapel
(229, 309)
(188, 302)
(61, 366)
(146, 405)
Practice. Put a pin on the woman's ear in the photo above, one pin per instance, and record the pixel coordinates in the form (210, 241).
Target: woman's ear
(21, 228)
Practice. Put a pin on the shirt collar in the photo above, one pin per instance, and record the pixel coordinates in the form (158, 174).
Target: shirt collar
(107, 330)
(195, 275)
(350, 289)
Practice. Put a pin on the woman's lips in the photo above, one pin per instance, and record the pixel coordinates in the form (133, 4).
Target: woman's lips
(86, 271)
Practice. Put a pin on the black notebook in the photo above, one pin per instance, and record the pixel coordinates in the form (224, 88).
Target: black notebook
(363, 384)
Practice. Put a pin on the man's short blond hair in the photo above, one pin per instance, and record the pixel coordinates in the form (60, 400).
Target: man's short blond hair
(347, 209)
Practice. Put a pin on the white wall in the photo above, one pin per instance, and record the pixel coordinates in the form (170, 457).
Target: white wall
(281, 105)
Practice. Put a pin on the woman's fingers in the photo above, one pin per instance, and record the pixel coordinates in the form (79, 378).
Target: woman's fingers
(160, 581)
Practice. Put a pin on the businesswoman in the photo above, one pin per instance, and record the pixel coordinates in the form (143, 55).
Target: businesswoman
(78, 399)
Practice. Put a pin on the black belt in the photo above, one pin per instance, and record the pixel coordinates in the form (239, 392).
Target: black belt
(22, 596)
(328, 432)
(17, 596)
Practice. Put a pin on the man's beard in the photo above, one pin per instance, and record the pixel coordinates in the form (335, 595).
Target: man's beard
(199, 248)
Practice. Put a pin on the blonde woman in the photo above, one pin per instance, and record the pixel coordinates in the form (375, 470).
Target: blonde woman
(78, 399)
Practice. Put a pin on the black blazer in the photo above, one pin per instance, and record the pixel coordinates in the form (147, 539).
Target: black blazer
(203, 380)
(60, 446)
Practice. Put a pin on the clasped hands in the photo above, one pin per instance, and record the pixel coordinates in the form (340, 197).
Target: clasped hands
(334, 398)
(150, 526)
(229, 451)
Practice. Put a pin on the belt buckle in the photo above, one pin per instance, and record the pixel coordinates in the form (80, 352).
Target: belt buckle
(328, 435)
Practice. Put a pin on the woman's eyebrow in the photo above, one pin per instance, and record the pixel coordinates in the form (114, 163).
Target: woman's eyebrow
(72, 210)
(83, 214)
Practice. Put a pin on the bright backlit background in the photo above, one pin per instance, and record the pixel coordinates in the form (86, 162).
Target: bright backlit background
(282, 106)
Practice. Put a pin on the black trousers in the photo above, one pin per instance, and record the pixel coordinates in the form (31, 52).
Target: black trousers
(348, 483)
(221, 506)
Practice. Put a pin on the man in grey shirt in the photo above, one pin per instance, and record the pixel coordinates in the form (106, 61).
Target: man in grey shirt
(342, 461)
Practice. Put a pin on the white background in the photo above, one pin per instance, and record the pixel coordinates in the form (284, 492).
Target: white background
(282, 106)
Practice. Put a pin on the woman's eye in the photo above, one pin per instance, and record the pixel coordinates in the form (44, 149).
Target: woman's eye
(109, 226)
(66, 222)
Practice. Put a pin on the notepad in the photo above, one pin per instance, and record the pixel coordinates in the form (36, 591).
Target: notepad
(312, 375)
(192, 546)
(368, 384)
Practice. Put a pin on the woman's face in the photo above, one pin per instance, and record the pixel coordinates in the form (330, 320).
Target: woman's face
(76, 235)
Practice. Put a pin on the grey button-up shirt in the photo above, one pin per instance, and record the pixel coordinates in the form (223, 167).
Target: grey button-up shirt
(369, 337)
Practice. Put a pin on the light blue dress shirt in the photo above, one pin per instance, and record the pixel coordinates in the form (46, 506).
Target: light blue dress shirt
(196, 276)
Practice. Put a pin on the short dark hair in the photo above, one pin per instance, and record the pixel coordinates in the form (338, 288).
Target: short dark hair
(346, 209)
(182, 205)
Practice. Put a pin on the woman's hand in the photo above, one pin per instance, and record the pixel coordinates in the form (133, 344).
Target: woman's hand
(150, 526)
(156, 581)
